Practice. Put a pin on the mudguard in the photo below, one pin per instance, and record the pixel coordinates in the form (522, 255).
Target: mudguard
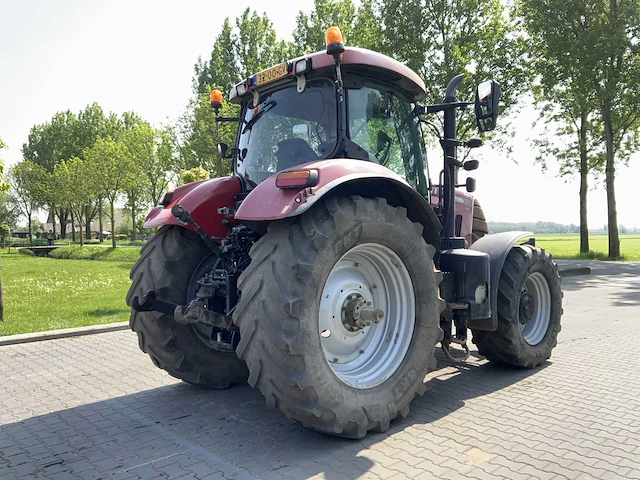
(348, 177)
(202, 200)
(497, 246)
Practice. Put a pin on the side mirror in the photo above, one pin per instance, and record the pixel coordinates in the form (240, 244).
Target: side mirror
(471, 165)
(302, 131)
(222, 149)
(470, 184)
(487, 105)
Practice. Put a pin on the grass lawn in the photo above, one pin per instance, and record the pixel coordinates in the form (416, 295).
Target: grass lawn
(97, 252)
(568, 245)
(42, 293)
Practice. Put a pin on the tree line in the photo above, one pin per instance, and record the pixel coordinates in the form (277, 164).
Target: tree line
(578, 59)
(548, 227)
(77, 165)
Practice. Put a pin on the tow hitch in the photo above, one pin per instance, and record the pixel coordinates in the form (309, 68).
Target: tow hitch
(195, 312)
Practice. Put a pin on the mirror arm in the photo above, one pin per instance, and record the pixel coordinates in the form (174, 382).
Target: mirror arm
(227, 119)
(441, 107)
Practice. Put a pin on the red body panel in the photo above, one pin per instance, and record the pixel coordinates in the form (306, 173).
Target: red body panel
(202, 200)
(464, 208)
(268, 202)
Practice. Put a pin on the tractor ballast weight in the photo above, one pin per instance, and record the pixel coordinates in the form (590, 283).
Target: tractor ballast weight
(327, 267)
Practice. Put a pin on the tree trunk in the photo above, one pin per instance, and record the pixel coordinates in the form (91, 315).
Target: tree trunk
(133, 221)
(610, 170)
(87, 228)
(80, 221)
(30, 227)
(584, 187)
(62, 215)
(73, 228)
(100, 225)
(52, 209)
(113, 225)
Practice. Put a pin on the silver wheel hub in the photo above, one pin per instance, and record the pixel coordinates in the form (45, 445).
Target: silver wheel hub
(357, 313)
(535, 308)
(367, 315)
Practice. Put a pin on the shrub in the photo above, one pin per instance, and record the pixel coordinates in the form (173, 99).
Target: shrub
(76, 252)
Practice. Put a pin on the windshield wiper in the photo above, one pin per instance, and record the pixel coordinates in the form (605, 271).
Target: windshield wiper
(257, 116)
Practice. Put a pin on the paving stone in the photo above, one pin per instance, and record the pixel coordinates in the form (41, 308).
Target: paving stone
(95, 407)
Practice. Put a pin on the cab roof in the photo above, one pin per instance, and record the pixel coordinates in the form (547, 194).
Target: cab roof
(357, 61)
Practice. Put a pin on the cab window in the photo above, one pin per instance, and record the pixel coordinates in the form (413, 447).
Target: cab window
(382, 122)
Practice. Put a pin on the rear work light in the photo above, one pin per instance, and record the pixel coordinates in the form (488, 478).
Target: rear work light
(297, 179)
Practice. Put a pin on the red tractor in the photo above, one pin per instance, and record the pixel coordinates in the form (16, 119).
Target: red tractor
(325, 270)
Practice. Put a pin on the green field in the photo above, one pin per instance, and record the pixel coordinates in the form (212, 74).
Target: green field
(568, 245)
(46, 294)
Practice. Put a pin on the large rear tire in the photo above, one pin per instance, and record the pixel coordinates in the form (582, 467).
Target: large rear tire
(167, 265)
(529, 310)
(306, 359)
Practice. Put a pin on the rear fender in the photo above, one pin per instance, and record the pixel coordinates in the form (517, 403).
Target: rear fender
(202, 200)
(497, 246)
(339, 177)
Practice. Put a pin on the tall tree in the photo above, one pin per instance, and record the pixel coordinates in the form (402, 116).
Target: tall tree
(457, 36)
(310, 28)
(74, 178)
(158, 171)
(617, 85)
(27, 186)
(112, 169)
(437, 38)
(139, 143)
(242, 48)
(67, 135)
(222, 67)
(9, 210)
(564, 96)
(595, 44)
(198, 143)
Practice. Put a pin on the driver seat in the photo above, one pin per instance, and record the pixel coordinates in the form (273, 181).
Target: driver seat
(294, 151)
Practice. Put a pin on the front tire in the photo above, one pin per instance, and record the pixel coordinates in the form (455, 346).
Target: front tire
(167, 265)
(529, 310)
(325, 372)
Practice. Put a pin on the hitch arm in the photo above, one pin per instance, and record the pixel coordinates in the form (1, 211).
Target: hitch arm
(195, 312)
(150, 303)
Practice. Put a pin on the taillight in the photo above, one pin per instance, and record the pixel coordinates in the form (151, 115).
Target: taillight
(297, 179)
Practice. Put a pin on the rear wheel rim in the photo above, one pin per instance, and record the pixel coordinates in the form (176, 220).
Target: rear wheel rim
(535, 323)
(365, 357)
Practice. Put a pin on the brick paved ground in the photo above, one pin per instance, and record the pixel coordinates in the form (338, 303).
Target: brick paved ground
(95, 407)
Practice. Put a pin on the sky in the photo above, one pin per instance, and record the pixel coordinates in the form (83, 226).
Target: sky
(139, 55)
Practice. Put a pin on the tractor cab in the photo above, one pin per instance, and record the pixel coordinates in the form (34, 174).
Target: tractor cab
(354, 104)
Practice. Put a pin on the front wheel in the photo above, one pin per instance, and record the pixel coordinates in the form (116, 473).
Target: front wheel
(339, 315)
(529, 310)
